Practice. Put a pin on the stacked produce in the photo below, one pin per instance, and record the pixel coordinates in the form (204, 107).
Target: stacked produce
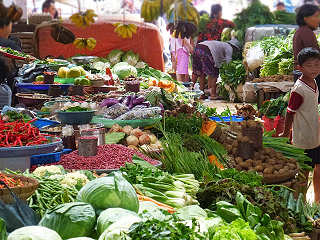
(19, 133)
(135, 138)
(246, 111)
(274, 78)
(109, 157)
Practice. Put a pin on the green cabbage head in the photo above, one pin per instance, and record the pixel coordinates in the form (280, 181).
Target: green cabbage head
(131, 58)
(34, 233)
(114, 56)
(70, 220)
(124, 70)
(113, 191)
(112, 215)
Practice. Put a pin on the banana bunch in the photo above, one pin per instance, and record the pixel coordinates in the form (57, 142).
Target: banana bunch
(125, 30)
(183, 10)
(150, 10)
(88, 43)
(182, 29)
(83, 19)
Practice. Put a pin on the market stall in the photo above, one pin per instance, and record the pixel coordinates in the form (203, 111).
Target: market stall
(147, 42)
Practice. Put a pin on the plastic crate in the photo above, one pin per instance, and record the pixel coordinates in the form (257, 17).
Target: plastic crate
(48, 158)
(41, 122)
(227, 119)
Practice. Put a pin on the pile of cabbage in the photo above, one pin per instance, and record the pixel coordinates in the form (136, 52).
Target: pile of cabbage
(123, 64)
(98, 205)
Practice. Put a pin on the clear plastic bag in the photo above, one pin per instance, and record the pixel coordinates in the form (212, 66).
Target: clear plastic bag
(143, 113)
(115, 111)
(254, 57)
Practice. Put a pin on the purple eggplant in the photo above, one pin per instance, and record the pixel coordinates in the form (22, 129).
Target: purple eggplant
(131, 105)
(108, 102)
(146, 103)
(127, 101)
(162, 108)
(138, 101)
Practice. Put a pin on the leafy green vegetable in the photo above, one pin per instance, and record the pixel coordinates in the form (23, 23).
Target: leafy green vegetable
(233, 74)
(70, 220)
(275, 107)
(237, 230)
(108, 192)
(204, 20)
(251, 179)
(114, 56)
(182, 124)
(3, 230)
(286, 66)
(154, 229)
(124, 70)
(255, 14)
(283, 17)
(14, 116)
(114, 137)
(191, 212)
(76, 109)
(131, 58)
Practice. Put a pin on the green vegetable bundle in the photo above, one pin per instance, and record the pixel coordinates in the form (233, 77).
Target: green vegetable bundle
(275, 107)
(281, 145)
(173, 190)
(255, 14)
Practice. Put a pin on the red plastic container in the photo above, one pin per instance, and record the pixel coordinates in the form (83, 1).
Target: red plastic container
(274, 124)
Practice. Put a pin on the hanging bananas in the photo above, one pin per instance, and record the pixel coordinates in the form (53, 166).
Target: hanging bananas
(88, 43)
(176, 10)
(183, 11)
(83, 19)
(125, 30)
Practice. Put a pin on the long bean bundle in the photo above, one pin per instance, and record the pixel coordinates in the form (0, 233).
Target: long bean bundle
(281, 145)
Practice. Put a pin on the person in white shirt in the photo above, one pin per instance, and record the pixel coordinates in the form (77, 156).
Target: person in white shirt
(302, 113)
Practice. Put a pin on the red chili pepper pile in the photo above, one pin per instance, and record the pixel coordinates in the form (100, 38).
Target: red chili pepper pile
(10, 181)
(19, 133)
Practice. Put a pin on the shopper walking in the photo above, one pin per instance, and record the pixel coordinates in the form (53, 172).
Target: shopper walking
(180, 52)
(308, 19)
(302, 113)
(207, 58)
(215, 26)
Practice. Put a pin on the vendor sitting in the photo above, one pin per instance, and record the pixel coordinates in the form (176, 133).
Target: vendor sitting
(8, 67)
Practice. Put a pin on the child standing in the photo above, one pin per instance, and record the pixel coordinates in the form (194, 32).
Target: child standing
(180, 51)
(302, 113)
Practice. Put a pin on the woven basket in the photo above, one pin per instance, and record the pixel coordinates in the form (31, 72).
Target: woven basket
(29, 187)
(279, 178)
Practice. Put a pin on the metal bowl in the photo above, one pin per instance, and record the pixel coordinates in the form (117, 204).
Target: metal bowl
(75, 118)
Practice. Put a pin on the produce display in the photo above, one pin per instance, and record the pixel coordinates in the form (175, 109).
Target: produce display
(19, 133)
(15, 54)
(135, 138)
(9, 181)
(109, 157)
(148, 161)
(275, 107)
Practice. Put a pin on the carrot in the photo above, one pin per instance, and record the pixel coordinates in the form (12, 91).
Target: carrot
(161, 205)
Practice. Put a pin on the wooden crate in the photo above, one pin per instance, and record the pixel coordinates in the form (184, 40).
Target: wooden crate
(267, 93)
(26, 39)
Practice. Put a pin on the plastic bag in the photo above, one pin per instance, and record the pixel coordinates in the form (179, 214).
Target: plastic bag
(18, 214)
(143, 113)
(254, 57)
(115, 111)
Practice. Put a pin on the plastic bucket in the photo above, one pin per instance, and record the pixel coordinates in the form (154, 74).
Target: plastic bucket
(274, 124)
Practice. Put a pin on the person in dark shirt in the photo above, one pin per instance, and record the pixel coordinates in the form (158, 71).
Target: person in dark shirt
(49, 7)
(215, 26)
(308, 19)
(8, 67)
